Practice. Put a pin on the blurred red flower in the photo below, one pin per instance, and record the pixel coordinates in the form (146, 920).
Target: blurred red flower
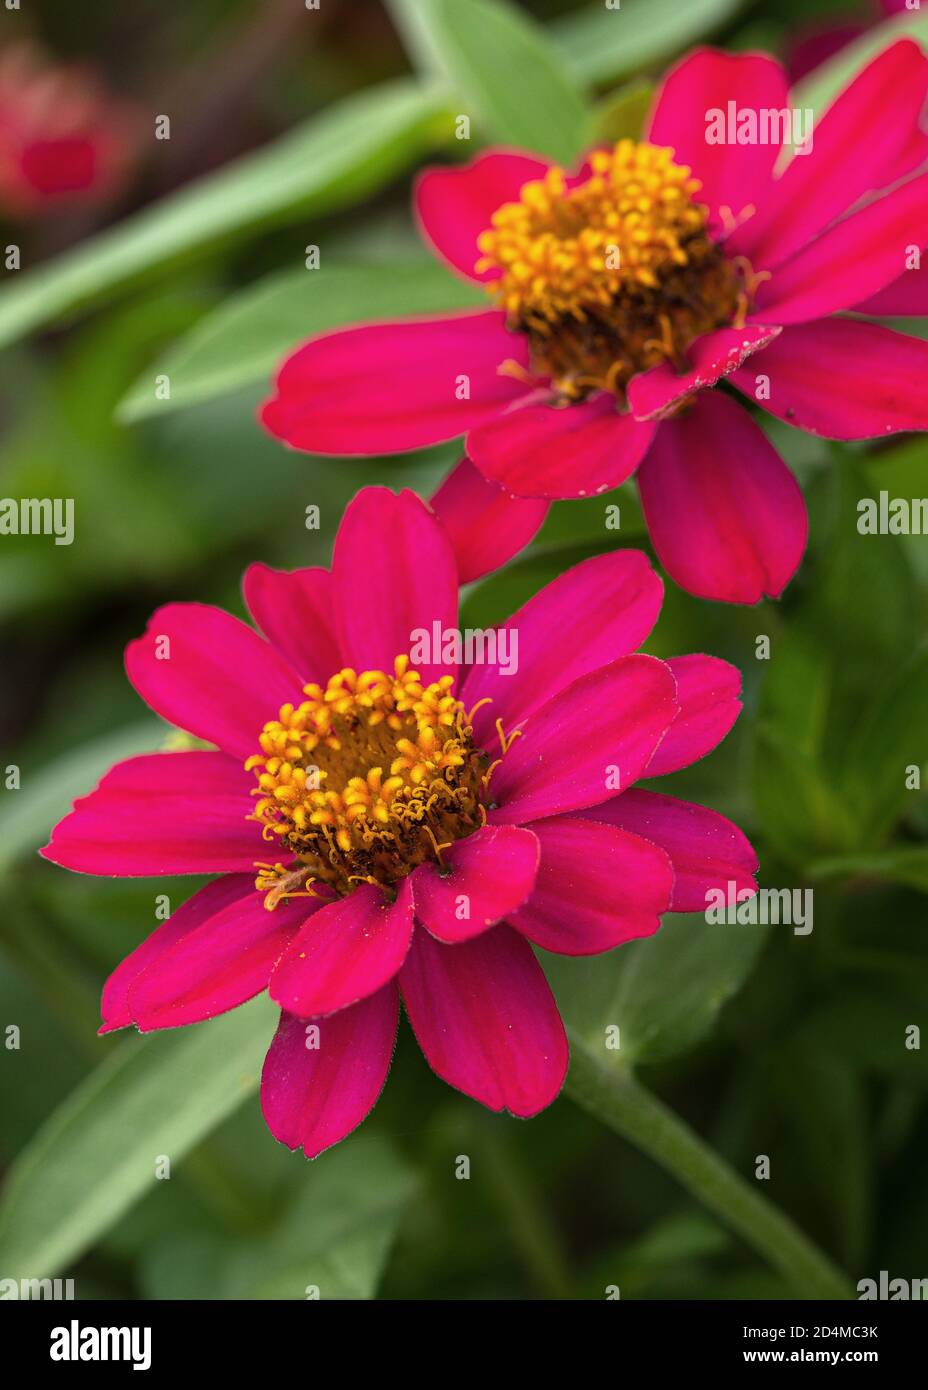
(62, 136)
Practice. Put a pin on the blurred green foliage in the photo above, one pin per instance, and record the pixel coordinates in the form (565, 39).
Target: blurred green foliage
(763, 1042)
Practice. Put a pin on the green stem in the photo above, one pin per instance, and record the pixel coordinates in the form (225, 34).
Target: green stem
(617, 1099)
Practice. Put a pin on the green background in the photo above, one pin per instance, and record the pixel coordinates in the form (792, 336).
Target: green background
(292, 128)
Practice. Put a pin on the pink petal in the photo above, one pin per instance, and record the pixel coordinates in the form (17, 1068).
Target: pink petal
(907, 296)
(487, 876)
(706, 850)
(294, 609)
(713, 356)
(598, 734)
(393, 572)
(596, 887)
(191, 915)
(455, 205)
(734, 177)
(843, 379)
(538, 450)
(346, 952)
(608, 604)
(320, 1080)
(206, 672)
(726, 516)
(486, 525)
(224, 961)
(866, 141)
(486, 1020)
(851, 261)
(386, 387)
(162, 813)
(708, 693)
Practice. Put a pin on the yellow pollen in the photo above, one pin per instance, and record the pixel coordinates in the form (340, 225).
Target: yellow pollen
(611, 275)
(363, 780)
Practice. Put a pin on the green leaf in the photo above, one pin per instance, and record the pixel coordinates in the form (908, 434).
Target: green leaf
(328, 162)
(820, 88)
(663, 993)
(601, 44)
(900, 471)
(504, 69)
(246, 339)
(28, 815)
(672, 1241)
(906, 864)
(96, 1155)
(797, 805)
(848, 616)
(890, 736)
(860, 598)
(796, 687)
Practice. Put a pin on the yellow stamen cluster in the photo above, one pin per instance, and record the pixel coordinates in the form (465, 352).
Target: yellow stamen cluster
(364, 780)
(613, 274)
(564, 250)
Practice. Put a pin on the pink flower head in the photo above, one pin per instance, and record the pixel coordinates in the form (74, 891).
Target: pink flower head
(62, 138)
(383, 830)
(624, 292)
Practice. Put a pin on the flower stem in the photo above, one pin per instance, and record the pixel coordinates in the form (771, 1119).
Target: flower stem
(620, 1101)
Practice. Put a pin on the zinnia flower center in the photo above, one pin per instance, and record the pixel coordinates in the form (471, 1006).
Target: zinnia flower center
(364, 780)
(613, 275)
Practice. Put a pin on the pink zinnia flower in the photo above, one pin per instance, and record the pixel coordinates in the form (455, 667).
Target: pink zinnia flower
(625, 291)
(412, 830)
(62, 137)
